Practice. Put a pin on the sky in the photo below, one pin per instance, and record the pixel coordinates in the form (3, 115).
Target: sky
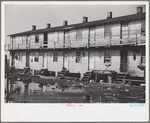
(20, 18)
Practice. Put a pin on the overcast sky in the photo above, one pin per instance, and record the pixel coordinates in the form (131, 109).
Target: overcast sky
(19, 18)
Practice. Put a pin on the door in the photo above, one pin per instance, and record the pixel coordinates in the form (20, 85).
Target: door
(92, 60)
(124, 64)
(27, 59)
(66, 65)
(45, 60)
(13, 60)
(66, 39)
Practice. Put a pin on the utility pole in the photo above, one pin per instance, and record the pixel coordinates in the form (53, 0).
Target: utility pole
(7, 72)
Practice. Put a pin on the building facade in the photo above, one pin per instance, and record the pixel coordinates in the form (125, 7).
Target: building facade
(115, 42)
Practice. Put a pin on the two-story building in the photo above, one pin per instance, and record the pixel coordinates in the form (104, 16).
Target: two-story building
(118, 42)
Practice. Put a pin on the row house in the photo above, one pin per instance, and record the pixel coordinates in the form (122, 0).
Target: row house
(115, 42)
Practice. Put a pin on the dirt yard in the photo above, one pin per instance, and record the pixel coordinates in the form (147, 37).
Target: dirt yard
(71, 91)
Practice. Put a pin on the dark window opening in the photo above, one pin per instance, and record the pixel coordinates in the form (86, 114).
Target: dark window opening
(143, 58)
(36, 57)
(55, 57)
(36, 39)
(78, 57)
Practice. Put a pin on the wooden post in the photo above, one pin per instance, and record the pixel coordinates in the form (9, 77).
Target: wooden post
(6, 65)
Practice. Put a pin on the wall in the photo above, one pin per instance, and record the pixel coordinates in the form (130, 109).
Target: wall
(36, 65)
(135, 28)
(50, 40)
(115, 33)
(55, 66)
(133, 69)
(34, 45)
(99, 60)
(81, 67)
(20, 64)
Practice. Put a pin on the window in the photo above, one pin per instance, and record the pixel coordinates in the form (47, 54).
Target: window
(143, 27)
(20, 56)
(36, 39)
(36, 57)
(55, 57)
(107, 57)
(143, 59)
(79, 34)
(107, 31)
(125, 30)
(78, 57)
(45, 36)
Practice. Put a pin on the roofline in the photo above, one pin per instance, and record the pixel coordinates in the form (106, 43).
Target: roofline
(87, 24)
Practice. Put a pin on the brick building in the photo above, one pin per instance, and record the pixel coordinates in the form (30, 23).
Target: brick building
(115, 42)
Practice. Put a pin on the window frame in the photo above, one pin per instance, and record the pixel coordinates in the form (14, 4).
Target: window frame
(107, 29)
(78, 57)
(55, 57)
(79, 34)
(143, 56)
(20, 56)
(36, 57)
(107, 57)
(36, 38)
(45, 36)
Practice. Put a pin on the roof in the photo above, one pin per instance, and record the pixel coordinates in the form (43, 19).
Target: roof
(86, 24)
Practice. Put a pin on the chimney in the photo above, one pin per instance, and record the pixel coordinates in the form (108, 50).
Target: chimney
(65, 23)
(48, 25)
(109, 15)
(33, 27)
(85, 19)
(139, 9)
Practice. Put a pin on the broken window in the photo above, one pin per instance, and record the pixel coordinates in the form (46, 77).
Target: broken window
(55, 57)
(78, 57)
(107, 57)
(36, 57)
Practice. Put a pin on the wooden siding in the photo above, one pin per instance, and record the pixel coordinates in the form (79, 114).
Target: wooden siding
(119, 33)
(36, 65)
(55, 66)
(133, 63)
(115, 33)
(135, 28)
(20, 64)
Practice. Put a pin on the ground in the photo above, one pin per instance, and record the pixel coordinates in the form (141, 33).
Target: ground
(81, 92)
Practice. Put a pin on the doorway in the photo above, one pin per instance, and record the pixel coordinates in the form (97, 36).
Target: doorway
(45, 59)
(124, 61)
(92, 61)
(66, 60)
(66, 39)
(13, 60)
